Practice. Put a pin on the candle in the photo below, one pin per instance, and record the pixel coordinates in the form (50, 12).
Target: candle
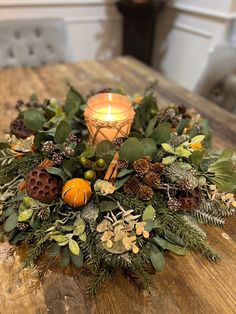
(108, 116)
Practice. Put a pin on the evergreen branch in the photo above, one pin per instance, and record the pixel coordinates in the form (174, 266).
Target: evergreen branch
(207, 218)
(100, 278)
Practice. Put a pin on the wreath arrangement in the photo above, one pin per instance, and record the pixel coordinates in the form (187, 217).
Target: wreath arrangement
(119, 205)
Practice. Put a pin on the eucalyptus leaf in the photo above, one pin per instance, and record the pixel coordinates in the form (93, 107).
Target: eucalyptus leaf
(107, 206)
(54, 250)
(58, 172)
(161, 134)
(180, 151)
(196, 158)
(89, 152)
(59, 238)
(151, 126)
(149, 213)
(157, 259)
(30, 202)
(62, 131)
(34, 119)
(8, 212)
(11, 222)
(103, 148)
(65, 257)
(120, 182)
(124, 172)
(74, 247)
(77, 260)
(150, 147)
(182, 125)
(131, 150)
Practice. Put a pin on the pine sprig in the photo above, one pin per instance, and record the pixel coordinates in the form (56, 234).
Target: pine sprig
(6, 157)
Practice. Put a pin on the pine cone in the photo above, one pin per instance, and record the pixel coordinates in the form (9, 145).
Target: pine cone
(185, 184)
(132, 186)
(22, 226)
(57, 158)
(152, 179)
(141, 166)
(174, 204)
(157, 167)
(145, 193)
(122, 164)
(118, 142)
(19, 129)
(48, 147)
(44, 214)
(189, 200)
(42, 186)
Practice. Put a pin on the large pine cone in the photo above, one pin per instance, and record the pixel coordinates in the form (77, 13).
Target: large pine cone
(189, 200)
(42, 186)
(141, 166)
(19, 129)
(132, 186)
(152, 179)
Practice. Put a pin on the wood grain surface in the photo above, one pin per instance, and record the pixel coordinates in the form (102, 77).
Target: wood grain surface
(188, 284)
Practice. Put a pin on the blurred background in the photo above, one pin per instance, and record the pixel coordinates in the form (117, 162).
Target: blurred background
(191, 42)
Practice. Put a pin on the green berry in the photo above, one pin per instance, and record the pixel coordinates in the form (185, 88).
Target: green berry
(90, 175)
(100, 163)
(83, 161)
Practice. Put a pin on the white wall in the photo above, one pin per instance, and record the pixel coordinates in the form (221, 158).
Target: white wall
(187, 33)
(94, 26)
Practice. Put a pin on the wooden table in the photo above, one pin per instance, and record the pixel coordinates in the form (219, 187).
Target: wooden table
(188, 284)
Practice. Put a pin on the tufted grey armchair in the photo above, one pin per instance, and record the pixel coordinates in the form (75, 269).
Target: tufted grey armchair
(32, 42)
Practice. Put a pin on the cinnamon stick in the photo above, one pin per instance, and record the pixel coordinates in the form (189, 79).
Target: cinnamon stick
(112, 169)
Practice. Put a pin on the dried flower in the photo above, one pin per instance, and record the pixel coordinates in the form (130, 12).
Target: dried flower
(104, 187)
(48, 147)
(57, 158)
(68, 152)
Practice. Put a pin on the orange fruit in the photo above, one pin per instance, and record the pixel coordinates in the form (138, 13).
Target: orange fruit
(76, 192)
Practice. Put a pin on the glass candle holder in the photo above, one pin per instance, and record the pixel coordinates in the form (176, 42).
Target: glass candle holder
(108, 116)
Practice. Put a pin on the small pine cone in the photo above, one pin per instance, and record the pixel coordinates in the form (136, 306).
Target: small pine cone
(57, 158)
(68, 152)
(105, 90)
(145, 193)
(132, 186)
(174, 204)
(152, 179)
(19, 129)
(169, 113)
(44, 214)
(118, 142)
(185, 184)
(122, 164)
(48, 147)
(141, 166)
(22, 226)
(157, 167)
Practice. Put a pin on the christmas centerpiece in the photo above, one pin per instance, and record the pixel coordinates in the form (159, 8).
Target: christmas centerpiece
(111, 182)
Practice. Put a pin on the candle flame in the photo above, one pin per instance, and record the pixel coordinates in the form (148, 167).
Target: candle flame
(110, 97)
(109, 115)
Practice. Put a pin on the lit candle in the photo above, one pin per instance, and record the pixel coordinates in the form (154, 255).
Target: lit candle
(108, 116)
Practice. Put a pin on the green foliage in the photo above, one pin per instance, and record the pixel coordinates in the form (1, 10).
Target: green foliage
(34, 119)
(6, 157)
(161, 134)
(62, 131)
(131, 150)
